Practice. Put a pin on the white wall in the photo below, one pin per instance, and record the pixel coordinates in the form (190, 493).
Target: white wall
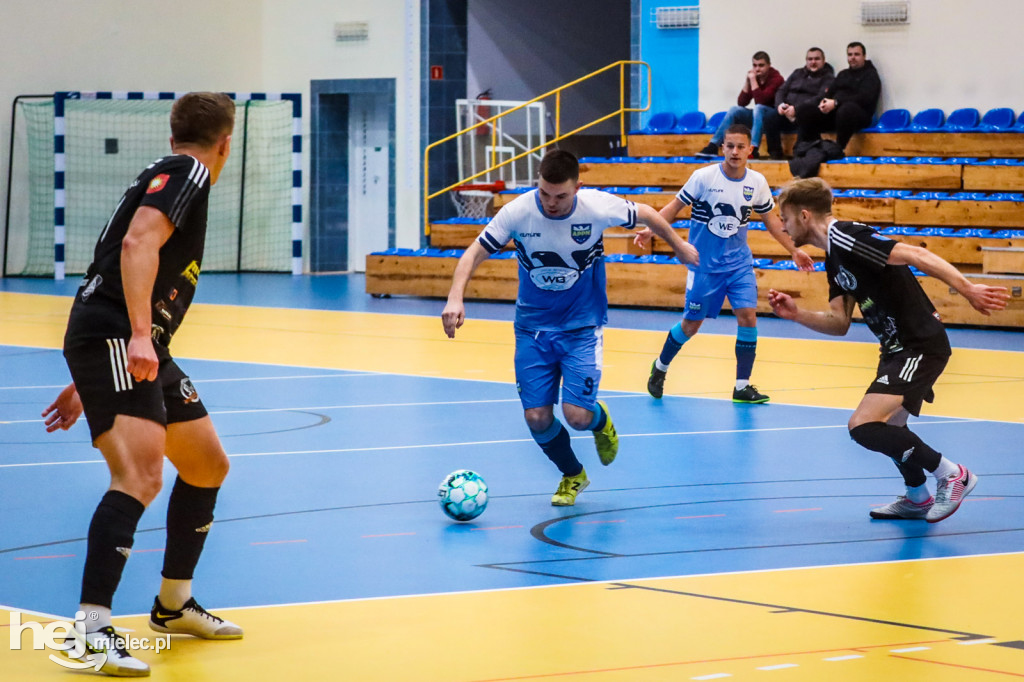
(299, 46)
(952, 54)
(237, 45)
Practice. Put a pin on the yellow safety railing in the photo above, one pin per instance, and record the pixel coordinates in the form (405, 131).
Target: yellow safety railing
(559, 135)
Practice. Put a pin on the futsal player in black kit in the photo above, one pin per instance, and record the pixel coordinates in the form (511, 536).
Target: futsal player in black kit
(871, 269)
(139, 404)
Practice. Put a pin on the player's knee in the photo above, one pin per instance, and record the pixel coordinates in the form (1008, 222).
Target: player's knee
(143, 484)
(538, 419)
(867, 434)
(579, 422)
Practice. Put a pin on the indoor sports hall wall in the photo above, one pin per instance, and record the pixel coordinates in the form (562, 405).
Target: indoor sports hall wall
(952, 54)
(237, 45)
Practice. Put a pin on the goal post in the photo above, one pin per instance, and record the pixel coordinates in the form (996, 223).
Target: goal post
(99, 141)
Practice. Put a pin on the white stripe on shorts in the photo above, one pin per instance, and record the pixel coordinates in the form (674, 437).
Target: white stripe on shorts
(119, 365)
(909, 367)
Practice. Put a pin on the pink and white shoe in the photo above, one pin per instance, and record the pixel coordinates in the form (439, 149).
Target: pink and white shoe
(950, 493)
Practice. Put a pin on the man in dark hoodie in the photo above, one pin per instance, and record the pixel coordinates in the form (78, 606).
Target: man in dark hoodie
(848, 104)
(759, 86)
(806, 84)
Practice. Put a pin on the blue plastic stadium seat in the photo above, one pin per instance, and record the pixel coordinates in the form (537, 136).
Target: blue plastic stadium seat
(660, 123)
(962, 120)
(1019, 125)
(691, 122)
(595, 159)
(997, 120)
(761, 262)
(928, 120)
(756, 225)
(714, 122)
(891, 121)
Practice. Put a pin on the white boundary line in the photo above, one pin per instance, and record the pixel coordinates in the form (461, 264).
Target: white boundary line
(425, 446)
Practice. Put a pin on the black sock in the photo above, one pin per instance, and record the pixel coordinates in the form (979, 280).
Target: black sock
(557, 445)
(189, 517)
(900, 443)
(111, 537)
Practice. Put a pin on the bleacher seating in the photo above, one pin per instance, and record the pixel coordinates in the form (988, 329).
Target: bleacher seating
(923, 179)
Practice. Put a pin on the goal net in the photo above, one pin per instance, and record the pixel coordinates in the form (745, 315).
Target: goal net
(74, 155)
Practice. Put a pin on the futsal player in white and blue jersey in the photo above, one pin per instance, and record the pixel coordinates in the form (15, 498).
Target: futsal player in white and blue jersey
(561, 307)
(723, 197)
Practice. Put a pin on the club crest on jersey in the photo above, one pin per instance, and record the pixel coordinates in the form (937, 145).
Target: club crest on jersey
(188, 391)
(157, 183)
(581, 232)
(748, 193)
(846, 280)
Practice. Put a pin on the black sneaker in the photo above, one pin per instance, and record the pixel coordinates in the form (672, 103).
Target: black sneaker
(709, 152)
(776, 154)
(193, 620)
(749, 394)
(656, 382)
(754, 153)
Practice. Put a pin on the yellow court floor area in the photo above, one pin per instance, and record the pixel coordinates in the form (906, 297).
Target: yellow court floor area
(933, 621)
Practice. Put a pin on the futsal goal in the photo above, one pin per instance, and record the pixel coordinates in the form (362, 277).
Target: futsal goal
(73, 155)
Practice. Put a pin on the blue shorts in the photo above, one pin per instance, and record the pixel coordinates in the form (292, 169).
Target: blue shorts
(706, 291)
(546, 359)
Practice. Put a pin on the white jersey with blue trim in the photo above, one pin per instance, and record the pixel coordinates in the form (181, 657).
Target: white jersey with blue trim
(561, 269)
(720, 213)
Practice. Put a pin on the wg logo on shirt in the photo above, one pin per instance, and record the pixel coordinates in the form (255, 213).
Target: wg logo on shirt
(581, 232)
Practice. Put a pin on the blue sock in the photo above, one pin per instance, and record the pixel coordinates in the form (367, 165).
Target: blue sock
(555, 443)
(600, 418)
(746, 349)
(675, 340)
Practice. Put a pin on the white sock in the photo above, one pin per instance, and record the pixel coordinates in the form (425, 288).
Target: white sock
(661, 367)
(946, 469)
(918, 494)
(742, 384)
(174, 593)
(96, 617)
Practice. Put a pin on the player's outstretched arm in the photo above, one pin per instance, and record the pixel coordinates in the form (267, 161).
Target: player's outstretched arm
(454, 313)
(63, 412)
(685, 252)
(774, 226)
(982, 297)
(834, 322)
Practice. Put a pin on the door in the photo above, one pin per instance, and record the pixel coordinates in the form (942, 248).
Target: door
(369, 178)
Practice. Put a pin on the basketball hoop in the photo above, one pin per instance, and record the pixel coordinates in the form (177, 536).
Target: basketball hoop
(474, 200)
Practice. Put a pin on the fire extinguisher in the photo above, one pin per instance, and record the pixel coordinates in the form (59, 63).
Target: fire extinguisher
(483, 112)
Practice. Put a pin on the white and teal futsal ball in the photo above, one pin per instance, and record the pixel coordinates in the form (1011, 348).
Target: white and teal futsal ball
(463, 495)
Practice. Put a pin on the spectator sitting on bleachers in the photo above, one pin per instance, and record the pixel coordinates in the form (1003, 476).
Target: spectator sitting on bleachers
(848, 104)
(760, 85)
(806, 84)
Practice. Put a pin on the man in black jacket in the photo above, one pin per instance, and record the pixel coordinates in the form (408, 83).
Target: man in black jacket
(806, 84)
(848, 104)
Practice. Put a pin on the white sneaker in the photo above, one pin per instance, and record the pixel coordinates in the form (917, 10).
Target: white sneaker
(950, 493)
(192, 619)
(903, 508)
(108, 646)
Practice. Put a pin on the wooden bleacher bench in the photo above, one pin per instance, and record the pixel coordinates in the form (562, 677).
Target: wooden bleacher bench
(968, 210)
(979, 145)
(651, 281)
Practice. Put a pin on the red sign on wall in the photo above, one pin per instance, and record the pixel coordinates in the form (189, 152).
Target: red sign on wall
(437, 73)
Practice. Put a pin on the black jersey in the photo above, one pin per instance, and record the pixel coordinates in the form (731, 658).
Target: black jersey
(179, 186)
(891, 300)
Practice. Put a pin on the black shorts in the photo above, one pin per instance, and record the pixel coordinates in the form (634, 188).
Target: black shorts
(98, 368)
(910, 374)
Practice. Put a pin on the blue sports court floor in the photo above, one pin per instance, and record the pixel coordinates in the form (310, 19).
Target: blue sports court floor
(726, 541)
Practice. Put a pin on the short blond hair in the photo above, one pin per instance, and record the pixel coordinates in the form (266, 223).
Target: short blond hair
(812, 194)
